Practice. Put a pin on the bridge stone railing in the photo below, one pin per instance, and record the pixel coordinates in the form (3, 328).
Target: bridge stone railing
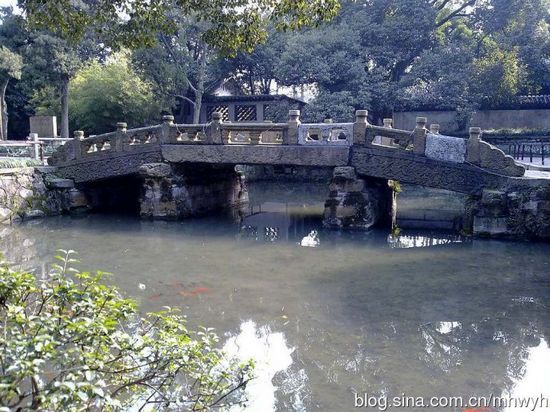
(419, 142)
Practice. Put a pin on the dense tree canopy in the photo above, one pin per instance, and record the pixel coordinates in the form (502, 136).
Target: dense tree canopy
(381, 55)
(232, 24)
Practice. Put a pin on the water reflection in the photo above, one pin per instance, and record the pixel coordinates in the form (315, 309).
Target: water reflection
(534, 381)
(445, 317)
(413, 240)
(311, 240)
(272, 355)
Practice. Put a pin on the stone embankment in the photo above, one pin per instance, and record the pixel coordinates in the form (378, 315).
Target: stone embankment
(33, 192)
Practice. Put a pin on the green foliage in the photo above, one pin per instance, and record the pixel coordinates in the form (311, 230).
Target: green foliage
(336, 106)
(10, 64)
(104, 94)
(233, 24)
(498, 74)
(401, 54)
(45, 101)
(16, 163)
(51, 60)
(71, 343)
(182, 65)
(254, 72)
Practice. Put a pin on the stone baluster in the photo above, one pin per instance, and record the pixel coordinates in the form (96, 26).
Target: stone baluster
(473, 154)
(419, 135)
(120, 137)
(360, 127)
(386, 141)
(214, 131)
(293, 123)
(36, 145)
(167, 123)
(434, 128)
(77, 142)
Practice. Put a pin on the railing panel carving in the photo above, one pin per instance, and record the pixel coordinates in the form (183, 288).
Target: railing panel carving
(253, 133)
(325, 134)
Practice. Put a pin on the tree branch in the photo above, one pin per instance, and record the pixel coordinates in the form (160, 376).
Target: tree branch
(455, 13)
(442, 5)
(179, 96)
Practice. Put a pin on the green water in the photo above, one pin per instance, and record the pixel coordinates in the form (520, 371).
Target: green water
(361, 312)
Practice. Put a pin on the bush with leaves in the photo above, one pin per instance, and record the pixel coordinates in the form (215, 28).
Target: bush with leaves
(104, 94)
(69, 342)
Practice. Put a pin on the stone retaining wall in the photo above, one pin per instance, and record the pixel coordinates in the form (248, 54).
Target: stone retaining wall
(32, 192)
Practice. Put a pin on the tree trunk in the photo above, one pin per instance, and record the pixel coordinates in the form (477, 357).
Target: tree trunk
(198, 104)
(199, 90)
(3, 111)
(65, 109)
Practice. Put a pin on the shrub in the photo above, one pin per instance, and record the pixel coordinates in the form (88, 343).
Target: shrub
(104, 94)
(14, 163)
(69, 342)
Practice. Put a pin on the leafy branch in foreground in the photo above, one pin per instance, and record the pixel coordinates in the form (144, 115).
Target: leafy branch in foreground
(69, 342)
(233, 24)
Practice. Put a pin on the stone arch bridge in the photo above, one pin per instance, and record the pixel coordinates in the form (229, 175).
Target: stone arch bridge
(187, 169)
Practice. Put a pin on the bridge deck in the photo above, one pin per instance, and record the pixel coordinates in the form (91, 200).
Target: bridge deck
(258, 154)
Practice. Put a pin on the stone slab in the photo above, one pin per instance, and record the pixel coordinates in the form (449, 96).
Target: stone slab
(407, 167)
(257, 154)
(92, 168)
(445, 148)
(44, 126)
(45, 169)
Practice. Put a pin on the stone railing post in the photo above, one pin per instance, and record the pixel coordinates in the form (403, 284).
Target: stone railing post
(420, 135)
(167, 123)
(360, 127)
(77, 143)
(388, 123)
(214, 131)
(473, 154)
(36, 146)
(293, 123)
(120, 137)
(435, 128)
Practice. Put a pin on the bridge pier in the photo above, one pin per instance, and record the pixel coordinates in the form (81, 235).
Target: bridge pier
(172, 191)
(358, 203)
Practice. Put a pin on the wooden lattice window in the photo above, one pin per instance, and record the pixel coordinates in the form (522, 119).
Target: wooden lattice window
(223, 109)
(268, 112)
(245, 113)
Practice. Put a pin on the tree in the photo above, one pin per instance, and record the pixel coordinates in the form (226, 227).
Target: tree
(103, 94)
(232, 24)
(181, 65)
(10, 67)
(53, 61)
(13, 36)
(395, 54)
(256, 72)
(71, 343)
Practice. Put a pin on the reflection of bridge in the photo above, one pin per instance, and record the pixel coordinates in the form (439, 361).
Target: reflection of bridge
(199, 152)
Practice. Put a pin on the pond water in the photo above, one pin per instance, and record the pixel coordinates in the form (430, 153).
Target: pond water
(420, 314)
